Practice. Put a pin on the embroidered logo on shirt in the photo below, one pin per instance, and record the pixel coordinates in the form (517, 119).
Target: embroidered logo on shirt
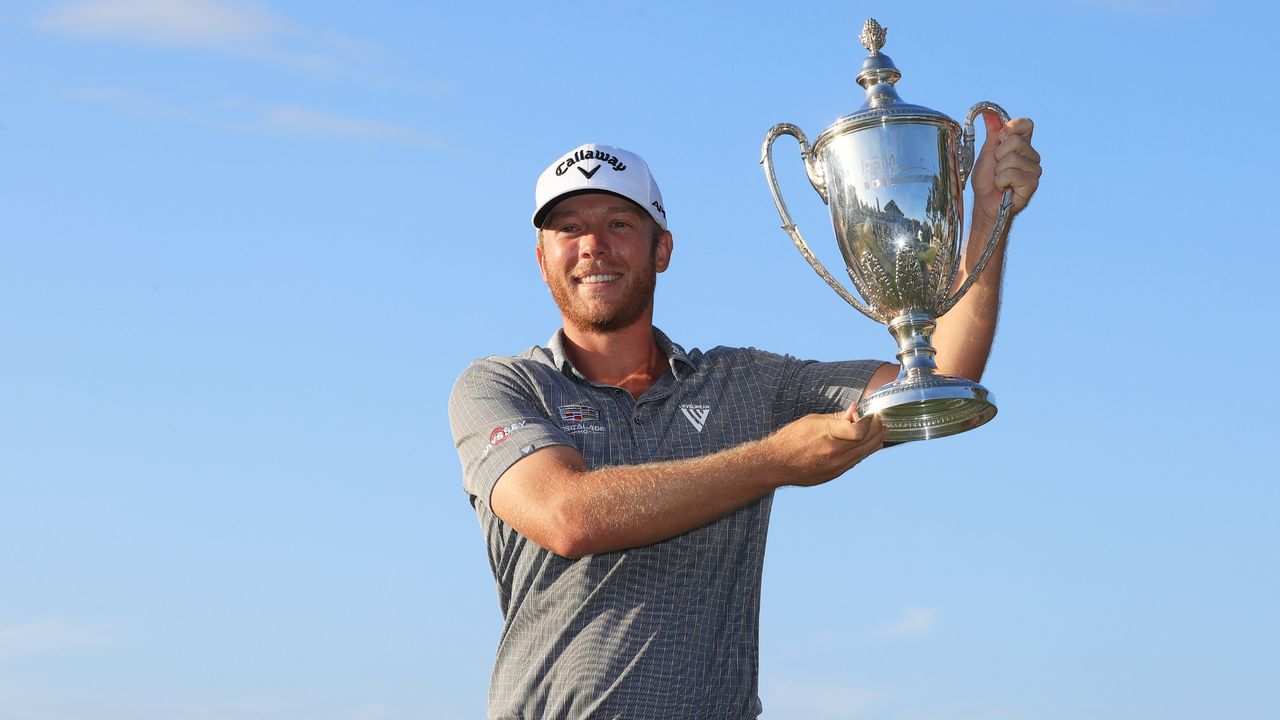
(578, 413)
(696, 415)
(499, 435)
(578, 419)
(579, 428)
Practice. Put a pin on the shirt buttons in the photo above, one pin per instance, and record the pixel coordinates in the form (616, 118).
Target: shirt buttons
(639, 419)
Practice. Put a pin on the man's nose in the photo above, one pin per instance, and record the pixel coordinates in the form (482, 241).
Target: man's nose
(593, 243)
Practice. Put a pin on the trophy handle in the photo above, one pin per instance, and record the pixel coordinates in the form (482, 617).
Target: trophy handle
(1002, 218)
(816, 178)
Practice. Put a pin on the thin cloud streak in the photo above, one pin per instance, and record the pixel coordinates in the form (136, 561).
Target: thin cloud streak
(284, 120)
(239, 29)
(915, 622)
(232, 28)
(136, 105)
(21, 703)
(41, 636)
(306, 122)
(183, 23)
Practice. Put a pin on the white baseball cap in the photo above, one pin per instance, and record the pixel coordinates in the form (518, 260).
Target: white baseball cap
(598, 168)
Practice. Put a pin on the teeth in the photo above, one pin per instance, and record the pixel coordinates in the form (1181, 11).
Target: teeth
(599, 278)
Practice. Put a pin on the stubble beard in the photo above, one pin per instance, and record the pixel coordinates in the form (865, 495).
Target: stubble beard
(606, 318)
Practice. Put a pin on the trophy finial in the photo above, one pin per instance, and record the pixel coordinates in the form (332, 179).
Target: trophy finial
(878, 73)
(873, 36)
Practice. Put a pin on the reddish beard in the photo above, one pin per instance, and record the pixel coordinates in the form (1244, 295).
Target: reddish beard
(602, 317)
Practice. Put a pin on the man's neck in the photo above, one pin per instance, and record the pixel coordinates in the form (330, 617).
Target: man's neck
(628, 358)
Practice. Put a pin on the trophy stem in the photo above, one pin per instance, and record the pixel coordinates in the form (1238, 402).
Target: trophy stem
(923, 403)
(914, 333)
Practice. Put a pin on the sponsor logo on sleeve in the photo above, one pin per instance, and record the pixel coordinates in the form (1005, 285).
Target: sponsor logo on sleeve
(500, 434)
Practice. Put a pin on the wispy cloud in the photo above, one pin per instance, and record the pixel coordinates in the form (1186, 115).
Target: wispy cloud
(216, 25)
(41, 636)
(25, 703)
(914, 622)
(307, 122)
(136, 104)
(208, 24)
(293, 121)
(274, 709)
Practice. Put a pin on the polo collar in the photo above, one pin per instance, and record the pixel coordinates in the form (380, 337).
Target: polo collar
(681, 365)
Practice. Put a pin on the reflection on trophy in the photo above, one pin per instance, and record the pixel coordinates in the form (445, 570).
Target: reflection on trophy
(893, 175)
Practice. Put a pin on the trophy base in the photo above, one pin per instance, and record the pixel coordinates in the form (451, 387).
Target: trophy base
(929, 406)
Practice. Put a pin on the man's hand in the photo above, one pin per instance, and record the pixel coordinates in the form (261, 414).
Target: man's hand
(818, 448)
(1007, 161)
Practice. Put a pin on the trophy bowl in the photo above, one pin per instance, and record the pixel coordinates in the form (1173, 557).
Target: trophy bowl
(893, 176)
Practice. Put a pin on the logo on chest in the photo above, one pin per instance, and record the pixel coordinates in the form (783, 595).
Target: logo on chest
(578, 413)
(577, 419)
(696, 415)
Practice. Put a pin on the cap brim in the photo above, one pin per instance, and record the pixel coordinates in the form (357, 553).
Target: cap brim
(548, 206)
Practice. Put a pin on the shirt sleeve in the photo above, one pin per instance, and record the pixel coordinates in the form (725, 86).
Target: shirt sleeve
(808, 386)
(497, 418)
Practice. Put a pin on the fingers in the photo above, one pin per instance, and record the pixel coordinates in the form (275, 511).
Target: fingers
(818, 448)
(1013, 136)
(1020, 173)
(872, 434)
(1017, 162)
(1020, 126)
(997, 128)
(1022, 183)
(1016, 147)
(856, 431)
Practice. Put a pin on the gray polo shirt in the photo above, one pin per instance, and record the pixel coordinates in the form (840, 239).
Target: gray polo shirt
(663, 631)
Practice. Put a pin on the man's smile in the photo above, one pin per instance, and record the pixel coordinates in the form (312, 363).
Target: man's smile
(595, 279)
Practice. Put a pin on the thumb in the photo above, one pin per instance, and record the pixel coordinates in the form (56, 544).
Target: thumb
(995, 129)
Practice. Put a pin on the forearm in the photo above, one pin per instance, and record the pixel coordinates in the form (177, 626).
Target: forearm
(553, 499)
(964, 335)
(614, 508)
(1008, 163)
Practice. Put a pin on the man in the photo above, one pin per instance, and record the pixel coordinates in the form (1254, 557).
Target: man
(624, 484)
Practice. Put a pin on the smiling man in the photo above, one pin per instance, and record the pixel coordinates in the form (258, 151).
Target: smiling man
(624, 484)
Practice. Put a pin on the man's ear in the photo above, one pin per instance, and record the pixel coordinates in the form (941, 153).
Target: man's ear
(662, 253)
(542, 265)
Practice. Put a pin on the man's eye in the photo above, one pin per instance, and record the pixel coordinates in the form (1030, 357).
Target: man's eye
(620, 224)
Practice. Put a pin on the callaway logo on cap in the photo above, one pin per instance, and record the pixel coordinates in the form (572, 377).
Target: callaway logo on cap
(598, 168)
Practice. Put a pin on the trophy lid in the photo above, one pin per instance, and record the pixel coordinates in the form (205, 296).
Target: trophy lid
(883, 105)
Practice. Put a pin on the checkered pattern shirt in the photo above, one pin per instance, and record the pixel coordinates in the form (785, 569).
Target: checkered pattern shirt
(663, 631)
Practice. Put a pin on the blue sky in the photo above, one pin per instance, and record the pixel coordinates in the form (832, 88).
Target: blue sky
(246, 247)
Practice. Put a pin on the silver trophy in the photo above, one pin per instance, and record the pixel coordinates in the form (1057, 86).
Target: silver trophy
(893, 175)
